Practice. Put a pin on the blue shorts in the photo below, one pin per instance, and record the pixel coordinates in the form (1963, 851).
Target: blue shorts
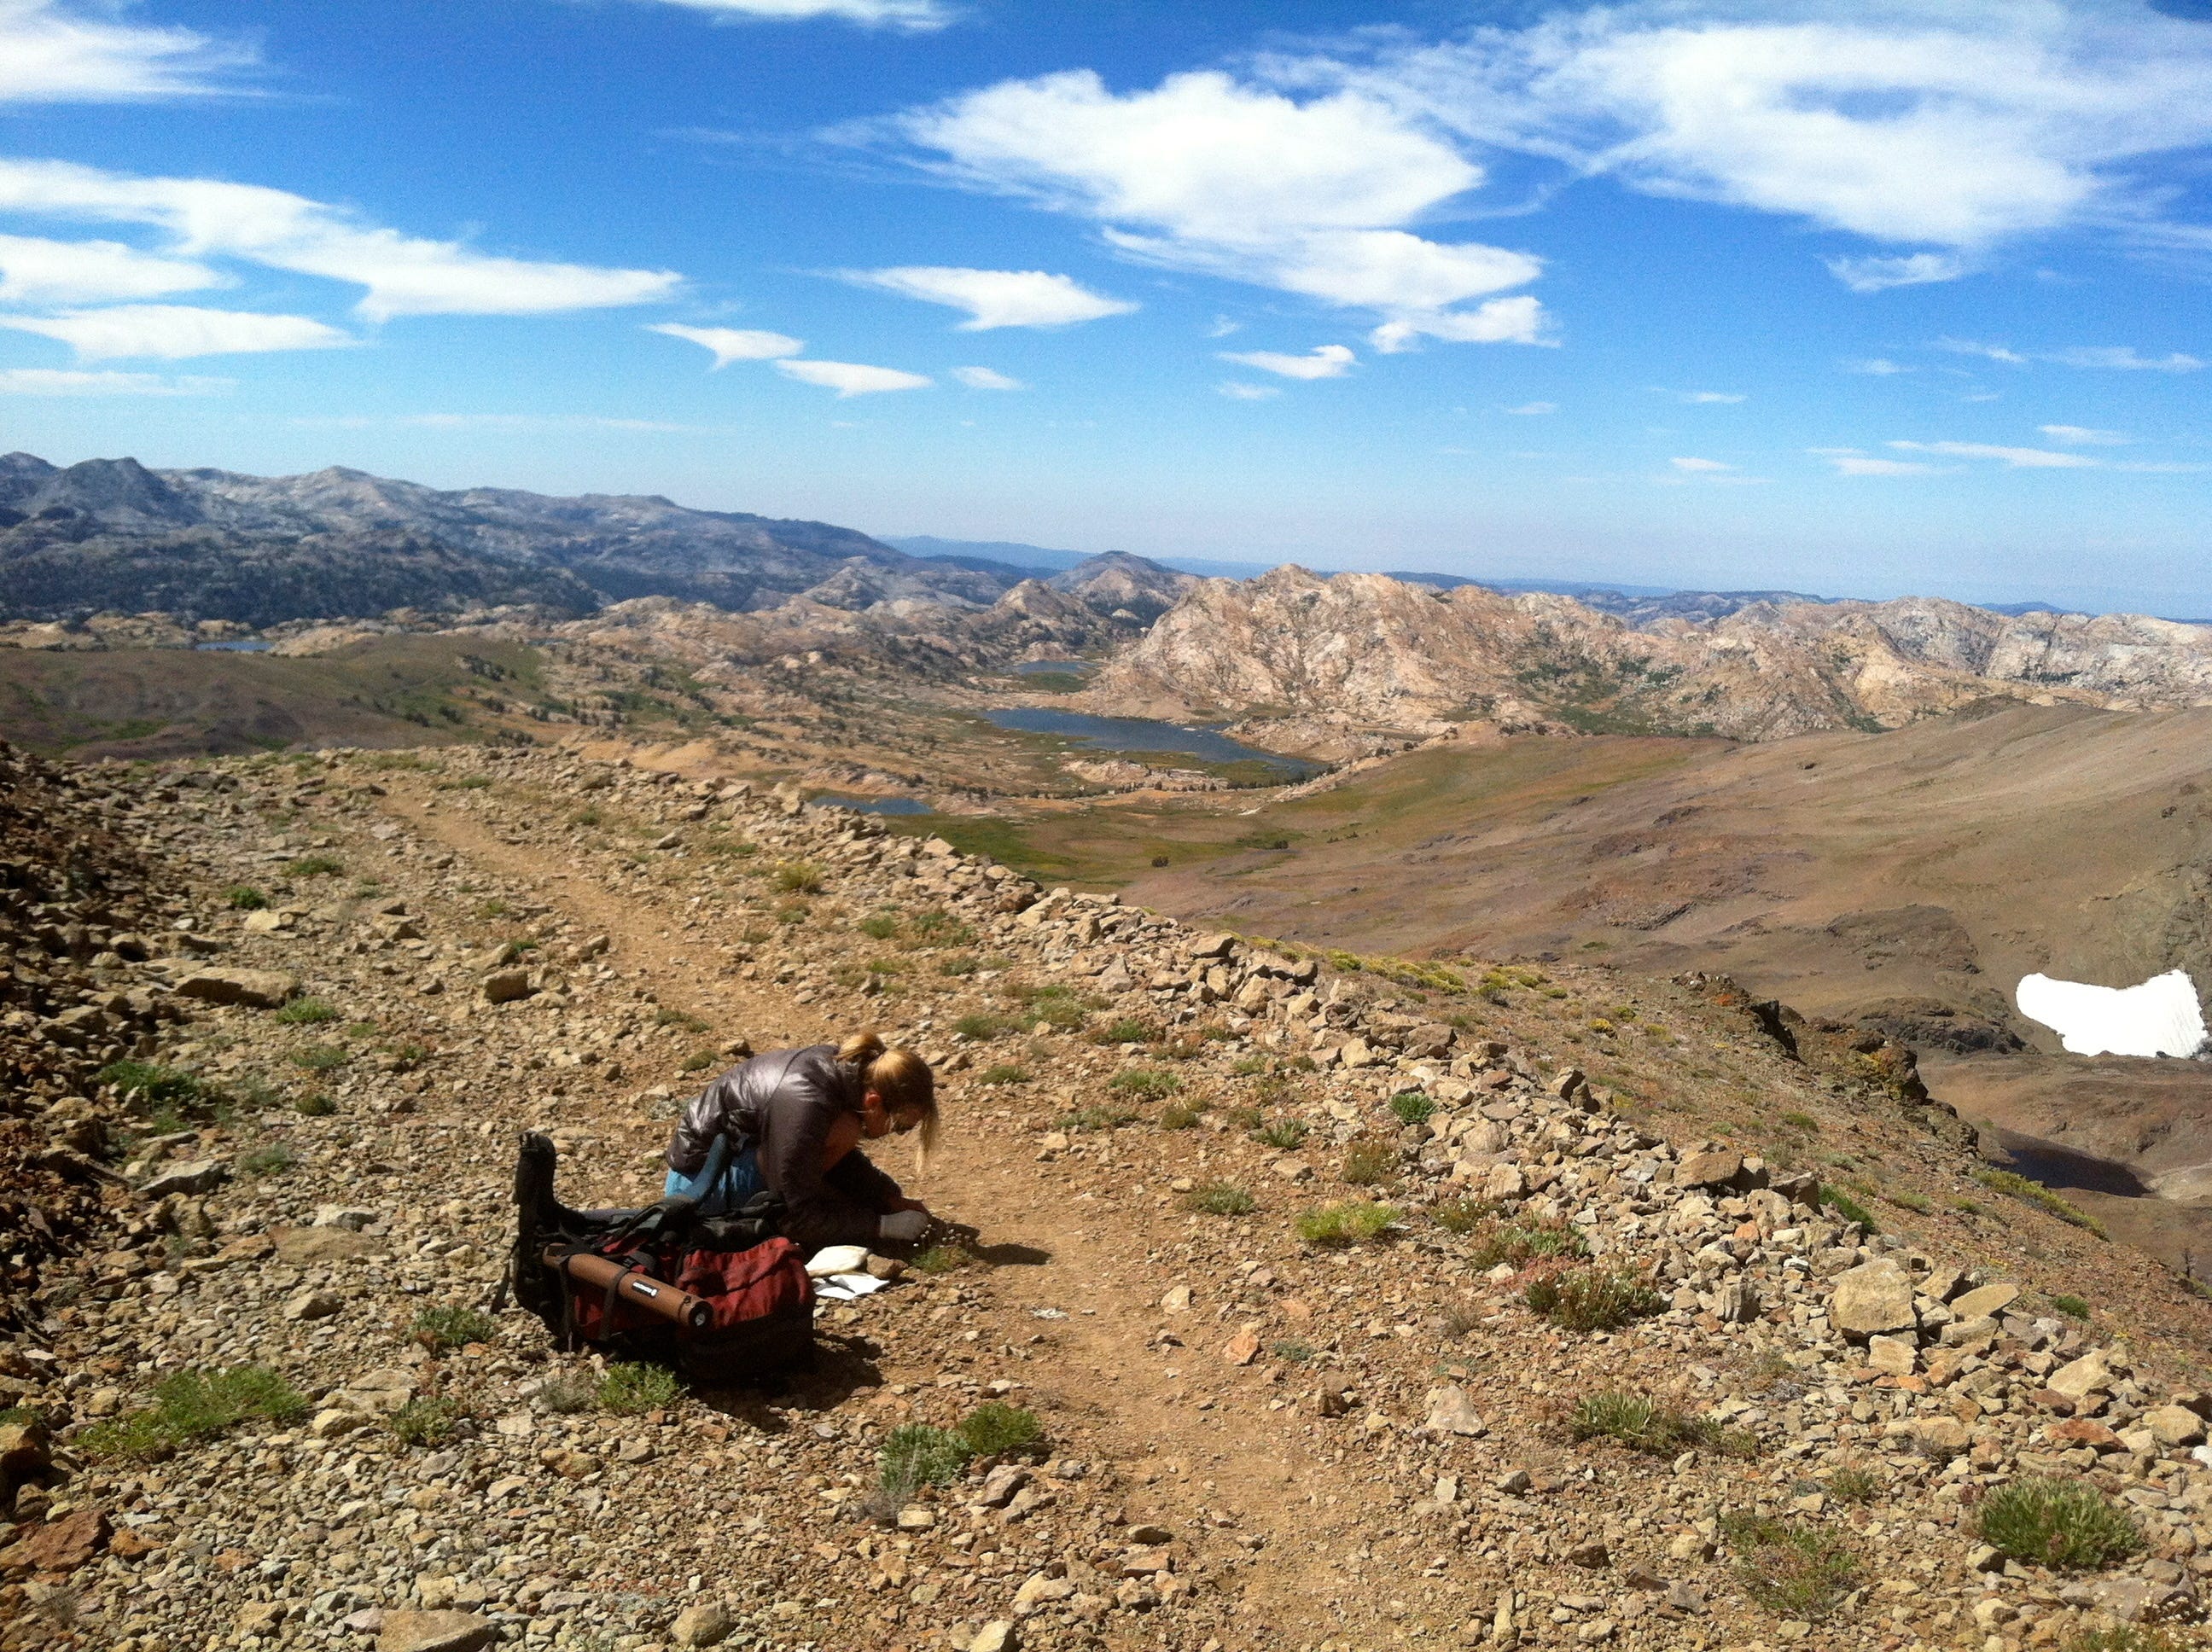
(723, 1184)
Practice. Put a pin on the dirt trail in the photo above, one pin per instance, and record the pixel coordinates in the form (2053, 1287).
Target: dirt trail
(1223, 1456)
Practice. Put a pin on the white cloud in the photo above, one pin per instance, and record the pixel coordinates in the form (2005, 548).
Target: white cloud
(1879, 367)
(1204, 173)
(1879, 275)
(1529, 410)
(1848, 461)
(404, 275)
(1502, 321)
(2081, 435)
(1223, 326)
(1699, 466)
(913, 15)
(733, 343)
(985, 378)
(1323, 362)
(997, 298)
(174, 331)
(1713, 397)
(1990, 352)
(1244, 393)
(69, 381)
(2013, 458)
(37, 271)
(2126, 358)
(51, 53)
(851, 378)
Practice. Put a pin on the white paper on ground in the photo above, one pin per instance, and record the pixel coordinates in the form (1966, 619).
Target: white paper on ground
(2163, 1017)
(837, 1259)
(849, 1287)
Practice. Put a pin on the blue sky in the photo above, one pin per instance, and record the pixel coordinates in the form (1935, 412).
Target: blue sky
(1858, 299)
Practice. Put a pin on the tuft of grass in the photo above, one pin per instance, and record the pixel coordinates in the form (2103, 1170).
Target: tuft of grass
(1367, 1163)
(2132, 1637)
(449, 1325)
(570, 1393)
(314, 1105)
(272, 1159)
(980, 1025)
(244, 897)
(797, 877)
(1836, 1199)
(916, 1454)
(315, 865)
(1220, 1198)
(993, 1428)
(1462, 1215)
(1353, 1222)
(1525, 1241)
(699, 1060)
(632, 1389)
(1003, 1072)
(1905, 1199)
(1176, 1116)
(1412, 1107)
(1247, 1067)
(2072, 1307)
(665, 1017)
(427, 1422)
(1854, 1486)
(937, 927)
(1294, 1353)
(941, 1258)
(2067, 1525)
(1147, 1082)
(879, 926)
(1283, 1134)
(2035, 1193)
(1125, 1031)
(1657, 1430)
(305, 1012)
(319, 1058)
(1593, 1298)
(1097, 1116)
(1793, 1570)
(959, 965)
(194, 1405)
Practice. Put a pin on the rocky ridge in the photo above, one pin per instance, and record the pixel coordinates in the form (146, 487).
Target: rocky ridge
(1253, 1439)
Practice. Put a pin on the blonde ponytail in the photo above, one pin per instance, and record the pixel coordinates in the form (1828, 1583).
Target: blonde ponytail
(899, 1077)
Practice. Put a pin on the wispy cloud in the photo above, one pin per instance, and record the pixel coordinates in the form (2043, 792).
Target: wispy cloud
(51, 53)
(1531, 410)
(175, 331)
(37, 271)
(1879, 275)
(986, 379)
(69, 382)
(1710, 397)
(1700, 466)
(2125, 358)
(851, 378)
(917, 16)
(2013, 458)
(2081, 436)
(1237, 392)
(996, 298)
(404, 275)
(1322, 362)
(733, 343)
(1849, 461)
(1878, 365)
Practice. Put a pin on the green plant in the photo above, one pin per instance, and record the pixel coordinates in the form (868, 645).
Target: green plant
(941, 1258)
(1644, 1425)
(1905, 1199)
(2067, 1525)
(2132, 1637)
(1412, 1107)
(1125, 1031)
(1795, 1571)
(1353, 1222)
(916, 1454)
(959, 965)
(315, 865)
(1836, 1199)
(193, 1405)
(1294, 1353)
(271, 1159)
(1854, 1486)
(150, 1085)
(319, 1058)
(993, 1428)
(797, 877)
(979, 1025)
(586, 817)
(449, 1325)
(1003, 1072)
(879, 926)
(568, 1393)
(305, 1012)
(631, 1389)
(937, 927)
(315, 1105)
(1220, 1198)
(1148, 1082)
(1592, 1299)
(2034, 1193)
(1367, 1163)
(1176, 1116)
(244, 897)
(664, 1016)
(2072, 1307)
(1804, 1122)
(1283, 1134)
(1247, 1067)
(426, 1422)
(1524, 1240)
(1462, 1215)
(1098, 1117)
(699, 1060)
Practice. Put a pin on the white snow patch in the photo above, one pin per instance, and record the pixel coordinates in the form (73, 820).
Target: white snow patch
(2159, 1017)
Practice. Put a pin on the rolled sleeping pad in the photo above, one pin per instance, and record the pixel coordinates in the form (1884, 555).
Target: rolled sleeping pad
(656, 1296)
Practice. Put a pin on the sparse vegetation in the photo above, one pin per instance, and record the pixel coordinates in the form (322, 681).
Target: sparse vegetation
(315, 865)
(425, 1422)
(319, 1058)
(1905, 1199)
(941, 1258)
(631, 1389)
(2067, 1525)
(1282, 1134)
(980, 1026)
(1836, 1199)
(1220, 1198)
(1098, 1117)
(1854, 1486)
(269, 1159)
(2073, 1307)
(194, 1405)
(315, 1104)
(1294, 1353)
(916, 1454)
(2034, 1193)
(1367, 1163)
(1003, 1072)
(1793, 1570)
(994, 1429)
(305, 1012)
(1412, 1107)
(570, 1393)
(1147, 1082)
(450, 1325)
(797, 877)
(1176, 1116)
(1462, 1215)
(1645, 1425)
(1592, 1299)
(1353, 1222)
(244, 897)
(1524, 1240)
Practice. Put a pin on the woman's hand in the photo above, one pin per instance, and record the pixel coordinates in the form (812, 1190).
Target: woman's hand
(910, 1204)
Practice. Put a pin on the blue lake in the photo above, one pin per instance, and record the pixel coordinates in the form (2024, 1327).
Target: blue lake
(873, 805)
(244, 646)
(1056, 667)
(1141, 735)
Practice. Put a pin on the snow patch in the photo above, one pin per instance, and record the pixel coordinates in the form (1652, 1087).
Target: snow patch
(2163, 1017)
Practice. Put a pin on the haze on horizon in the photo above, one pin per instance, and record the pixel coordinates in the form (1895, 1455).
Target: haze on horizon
(1855, 300)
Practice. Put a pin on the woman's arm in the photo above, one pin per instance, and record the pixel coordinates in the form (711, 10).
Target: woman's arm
(823, 1204)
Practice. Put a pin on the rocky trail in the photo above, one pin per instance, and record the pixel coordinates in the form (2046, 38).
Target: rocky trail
(1345, 1320)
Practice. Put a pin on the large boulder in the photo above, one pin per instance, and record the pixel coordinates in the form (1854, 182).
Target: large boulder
(257, 989)
(1873, 1299)
(435, 1632)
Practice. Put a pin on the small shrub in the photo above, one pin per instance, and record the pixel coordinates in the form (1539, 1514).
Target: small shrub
(1249, 1067)
(979, 1025)
(150, 1085)
(1462, 1215)
(570, 1393)
(1804, 1122)
(494, 907)
(1836, 1199)
(428, 1422)
(993, 1428)
(587, 818)
(937, 927)
(665, 1017)
(915, 1455)
(1125, 1032)
(2132, 1637)
(1793, 1571)
(1294, 1353)
(305, 1012)
(319, 1058)
(272, 1159)
(1176, 1116)
(1005, 1073)
(1412, 1107)
(1283, 1134)
(1905, 1199)
(193, 1406)
(879, 926)
(244, 897)
(941, 1258)
(632, 1389)
(1147, 1082)
(2072, 1307)
(1641, 1424)
(699, 1060)
(452, 1325)
(315, 1105)
(959, 965)
(315, 865)
(1524, 1240)
(1854, 1486)
(2067, 1525)
(1353, 1221)
(1220, 1198)
(1368, 1163)
(797, 877)
(2034, 1193)
(1593, 1298)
